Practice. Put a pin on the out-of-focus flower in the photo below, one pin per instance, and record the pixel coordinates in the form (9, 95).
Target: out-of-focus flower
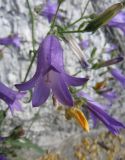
(84, 44)
(13, 40)
(111, 48)
(116, 73)
(49, 10)
(99, 112)
(118, 21)
(11, 97)
(2, 157)
(107, 93)
(110, 95)
(2, 138)
(50, 75)
(76, 50)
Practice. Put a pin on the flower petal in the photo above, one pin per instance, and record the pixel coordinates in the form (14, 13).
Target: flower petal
(27, 85)
(60, 89)
(94, 119)
(50, 54)
(41, 93)
(112, 124)
(74, 81)
(116, 73)
(15, 106)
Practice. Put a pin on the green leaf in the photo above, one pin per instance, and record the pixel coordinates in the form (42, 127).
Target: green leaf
(24, 143)
(97, 66)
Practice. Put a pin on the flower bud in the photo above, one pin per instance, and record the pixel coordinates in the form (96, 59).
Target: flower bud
(103, 18)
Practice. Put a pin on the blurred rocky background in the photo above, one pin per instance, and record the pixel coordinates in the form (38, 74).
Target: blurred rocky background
(46, 126)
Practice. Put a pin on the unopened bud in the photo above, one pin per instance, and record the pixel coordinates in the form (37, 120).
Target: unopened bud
(104, 17)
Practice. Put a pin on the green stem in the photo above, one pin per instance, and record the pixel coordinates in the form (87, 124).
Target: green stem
(54, 18)
(33, 40)
(30, 66)
(76, 21)
(75, 31)
(81, 15)
(85, 7)
(32, 22)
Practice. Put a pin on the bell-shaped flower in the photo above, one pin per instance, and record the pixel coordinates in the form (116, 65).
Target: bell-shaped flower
(49, 10)
(13, 40)
(11, 97)
(116, 73)
(50, 75)
(99, 112)
(118, 21)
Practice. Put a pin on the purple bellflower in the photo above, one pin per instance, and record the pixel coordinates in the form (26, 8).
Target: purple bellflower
(11, 97)
(116, 73)
(13, 40)
(49, 10)
(50, 75)
(118, 21)
(99, 112)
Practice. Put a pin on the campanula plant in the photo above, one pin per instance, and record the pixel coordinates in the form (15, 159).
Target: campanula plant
(51, 79)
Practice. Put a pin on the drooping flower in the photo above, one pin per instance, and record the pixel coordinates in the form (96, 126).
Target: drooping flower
(50, 75)
(49, 10)
(11, 97)
(99, 112)
(84, 44)
(13, 40)
(118, 21)
(116, 73)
